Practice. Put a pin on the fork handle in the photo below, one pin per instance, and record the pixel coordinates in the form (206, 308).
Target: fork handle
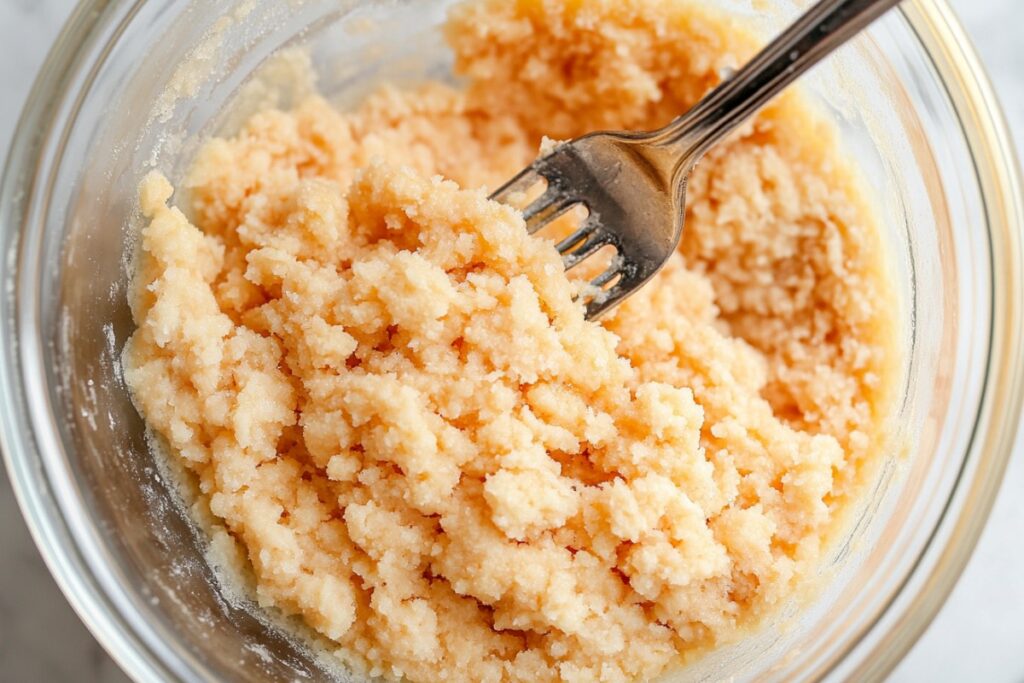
(817, 33)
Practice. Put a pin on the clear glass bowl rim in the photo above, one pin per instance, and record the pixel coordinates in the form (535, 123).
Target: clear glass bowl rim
(998, 177)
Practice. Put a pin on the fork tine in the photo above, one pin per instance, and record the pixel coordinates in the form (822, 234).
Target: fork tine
(546, 208)
(542, 210)
(521, 182)
(596, 240)
(613, 271)
(589, 225)
(608, 298)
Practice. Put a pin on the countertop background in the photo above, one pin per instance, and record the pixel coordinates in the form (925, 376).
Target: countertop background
(978, 636)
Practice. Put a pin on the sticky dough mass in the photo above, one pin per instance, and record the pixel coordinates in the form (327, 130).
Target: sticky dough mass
(391, 402)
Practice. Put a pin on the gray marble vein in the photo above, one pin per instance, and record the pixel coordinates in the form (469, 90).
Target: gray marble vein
(979, 635)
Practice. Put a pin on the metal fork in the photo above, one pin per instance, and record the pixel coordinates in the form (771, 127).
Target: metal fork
(633, 184)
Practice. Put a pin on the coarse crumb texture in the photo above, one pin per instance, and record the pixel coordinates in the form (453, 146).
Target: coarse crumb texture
(390, 399)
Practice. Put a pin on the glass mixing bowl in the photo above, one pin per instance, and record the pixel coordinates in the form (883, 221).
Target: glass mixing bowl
(134, 83)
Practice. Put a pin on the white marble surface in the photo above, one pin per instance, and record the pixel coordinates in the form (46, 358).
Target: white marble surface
(979, 636)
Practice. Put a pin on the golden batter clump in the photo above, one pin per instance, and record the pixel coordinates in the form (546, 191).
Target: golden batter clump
(391, 401)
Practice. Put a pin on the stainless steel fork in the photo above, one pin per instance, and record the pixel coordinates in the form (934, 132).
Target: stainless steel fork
(633, 184)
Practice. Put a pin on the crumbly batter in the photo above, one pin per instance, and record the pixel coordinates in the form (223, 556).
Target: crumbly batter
(391, 401)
